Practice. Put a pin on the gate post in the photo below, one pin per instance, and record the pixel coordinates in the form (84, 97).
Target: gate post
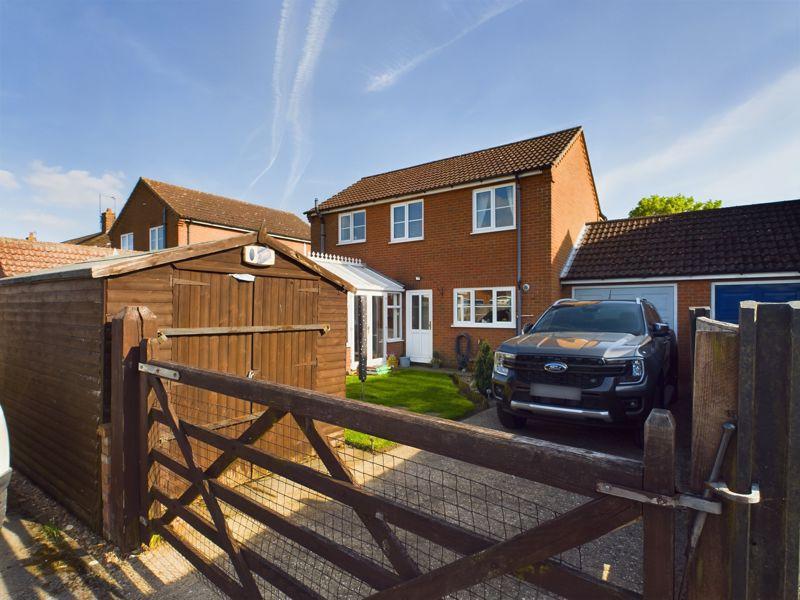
(659, 522)
(128, 328)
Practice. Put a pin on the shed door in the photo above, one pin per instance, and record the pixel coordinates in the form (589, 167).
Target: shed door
(728, 296)
(661, 296)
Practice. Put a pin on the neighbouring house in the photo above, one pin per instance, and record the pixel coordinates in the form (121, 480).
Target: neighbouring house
(161, 215)
(100, 238)
(714, 258)
(472, 244)
(24, 256)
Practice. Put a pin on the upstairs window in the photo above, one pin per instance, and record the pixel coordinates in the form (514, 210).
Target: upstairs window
(407, 221)
(126, 241)
(352, 227)
(483, 307)
(493, 209)
(157, 241)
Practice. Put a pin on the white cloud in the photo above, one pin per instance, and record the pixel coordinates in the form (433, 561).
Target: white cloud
(747, 154)
(40, 218)
(56, 187)
(8, 180)
(390, 76)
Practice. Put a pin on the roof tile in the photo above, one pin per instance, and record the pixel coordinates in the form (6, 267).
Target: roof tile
(24, 256)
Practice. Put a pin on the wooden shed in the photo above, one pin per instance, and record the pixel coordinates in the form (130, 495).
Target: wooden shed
(55, 344)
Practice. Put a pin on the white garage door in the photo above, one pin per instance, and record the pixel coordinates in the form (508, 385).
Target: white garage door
(661, 296)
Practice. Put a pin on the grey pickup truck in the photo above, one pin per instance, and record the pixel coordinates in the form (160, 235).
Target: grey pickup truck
(605, 363)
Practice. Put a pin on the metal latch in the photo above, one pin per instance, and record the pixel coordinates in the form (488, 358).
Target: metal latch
(159, 372)
(675, 501)
(721, 489)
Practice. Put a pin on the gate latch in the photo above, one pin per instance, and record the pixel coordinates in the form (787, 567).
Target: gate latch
(675, 501)
(721, 489)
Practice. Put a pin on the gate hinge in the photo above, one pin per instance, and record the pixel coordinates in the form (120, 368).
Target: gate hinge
(159, 372)
(721, 489)
(674, 501)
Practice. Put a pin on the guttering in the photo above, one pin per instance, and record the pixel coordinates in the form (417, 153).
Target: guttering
(321, 225)
(682, 278)
(431, 192)
(518, 210)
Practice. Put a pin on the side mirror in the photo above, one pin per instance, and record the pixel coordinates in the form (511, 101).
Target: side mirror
(527, 327)
(660, 329)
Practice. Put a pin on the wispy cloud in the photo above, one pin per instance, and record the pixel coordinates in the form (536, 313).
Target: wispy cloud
(393, 74)
(53, 186)
(8, 180)
(746, 154)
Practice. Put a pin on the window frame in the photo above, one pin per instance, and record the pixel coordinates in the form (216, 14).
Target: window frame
(405, 237)
(494, 324)
(351, 214)
(124, 237)
(398, 307)
(493, 208)
(163, 235)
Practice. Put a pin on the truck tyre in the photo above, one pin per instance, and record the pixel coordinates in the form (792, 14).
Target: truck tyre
(508, 420)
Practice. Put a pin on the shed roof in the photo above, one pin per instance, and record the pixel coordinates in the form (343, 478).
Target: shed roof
(219, 210)
(756, 238)
(23, 256)
(355, 272)
(517, 157)
(110, 266)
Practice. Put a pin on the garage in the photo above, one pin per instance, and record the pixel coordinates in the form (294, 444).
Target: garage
(661, 296)
(725, 297)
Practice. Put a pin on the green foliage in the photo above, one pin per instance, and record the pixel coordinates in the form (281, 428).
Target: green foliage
(667, 205)
(52, 532)
(484, 364)
(365, 441)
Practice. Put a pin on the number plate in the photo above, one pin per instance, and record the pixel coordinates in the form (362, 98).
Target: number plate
(561, 392)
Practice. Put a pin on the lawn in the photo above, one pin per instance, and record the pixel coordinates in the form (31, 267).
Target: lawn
(426, 392)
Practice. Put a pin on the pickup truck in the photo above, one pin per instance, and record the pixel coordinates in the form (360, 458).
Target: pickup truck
(604, 363)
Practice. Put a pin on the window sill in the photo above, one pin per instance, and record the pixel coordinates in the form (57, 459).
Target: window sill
(484, 325)
(394, 341)
(405, 241)
(493, 230)
(350, 243)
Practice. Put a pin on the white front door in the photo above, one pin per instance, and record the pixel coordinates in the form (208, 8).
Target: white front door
(419, 318)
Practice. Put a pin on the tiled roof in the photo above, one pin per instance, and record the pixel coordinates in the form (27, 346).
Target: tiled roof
(219, 210)
(23, 256)
(516, 157)
(757, 238)
(100, 239)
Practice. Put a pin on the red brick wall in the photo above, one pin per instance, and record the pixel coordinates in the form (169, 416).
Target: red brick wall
(452, 257)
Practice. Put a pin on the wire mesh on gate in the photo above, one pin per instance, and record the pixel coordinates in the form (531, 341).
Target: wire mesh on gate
(479, 500)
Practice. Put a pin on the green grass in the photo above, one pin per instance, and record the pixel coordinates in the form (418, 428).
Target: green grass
(423, 392)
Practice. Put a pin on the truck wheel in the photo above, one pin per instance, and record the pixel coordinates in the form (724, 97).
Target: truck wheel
(510, 421)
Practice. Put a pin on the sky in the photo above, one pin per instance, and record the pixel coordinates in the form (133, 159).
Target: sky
(279, 102)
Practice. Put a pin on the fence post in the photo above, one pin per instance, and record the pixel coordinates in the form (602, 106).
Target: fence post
(695, 312)
(659, 523)
(128, 328)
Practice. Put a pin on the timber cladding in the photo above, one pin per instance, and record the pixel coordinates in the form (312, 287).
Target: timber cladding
(56, 352)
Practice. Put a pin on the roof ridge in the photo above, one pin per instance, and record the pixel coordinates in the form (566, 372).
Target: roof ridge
(576, 129)
(693, 212)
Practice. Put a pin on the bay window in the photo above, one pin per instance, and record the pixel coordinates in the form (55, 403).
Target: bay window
(484, 307)
(493, 209)
(352, 227)
(407, 221)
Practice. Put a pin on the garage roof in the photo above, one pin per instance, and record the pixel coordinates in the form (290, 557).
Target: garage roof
(757, 238)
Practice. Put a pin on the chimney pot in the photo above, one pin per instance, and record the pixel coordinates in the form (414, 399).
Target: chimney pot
(31, 236)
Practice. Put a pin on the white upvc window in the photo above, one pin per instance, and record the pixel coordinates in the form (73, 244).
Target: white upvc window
(493, 209)
(394, 316)
(484, 307)
(352, 227)
(157, 241)
(126, 241)
(408, 221)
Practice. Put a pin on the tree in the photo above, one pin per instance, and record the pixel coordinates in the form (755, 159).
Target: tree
(667, 205)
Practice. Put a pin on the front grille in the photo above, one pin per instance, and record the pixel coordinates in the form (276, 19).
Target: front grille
(584, 373)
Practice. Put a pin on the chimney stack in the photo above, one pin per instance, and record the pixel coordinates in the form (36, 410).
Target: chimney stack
(31, 236)
(107, 220)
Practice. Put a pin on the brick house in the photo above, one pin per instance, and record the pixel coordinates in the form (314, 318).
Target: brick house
(161, 215)
(476, 242)
(714, 258)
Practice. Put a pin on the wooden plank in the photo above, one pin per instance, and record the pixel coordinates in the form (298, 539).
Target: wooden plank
(566, 467)
(384, 537)
(715, 401)
(187, 331)
(659, 522)
(578, 526)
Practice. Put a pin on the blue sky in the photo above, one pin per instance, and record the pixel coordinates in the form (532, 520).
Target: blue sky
(281, 102)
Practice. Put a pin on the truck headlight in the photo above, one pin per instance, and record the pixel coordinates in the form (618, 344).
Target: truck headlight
(501, 360)
(634, 371)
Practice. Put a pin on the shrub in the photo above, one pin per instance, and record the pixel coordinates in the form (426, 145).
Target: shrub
(484, 363)
(391, 361)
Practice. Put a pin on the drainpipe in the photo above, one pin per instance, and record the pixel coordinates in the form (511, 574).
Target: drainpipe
(518, 210)
(321, 225)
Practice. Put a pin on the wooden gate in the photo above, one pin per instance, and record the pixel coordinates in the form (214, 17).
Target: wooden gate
(395, 525)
